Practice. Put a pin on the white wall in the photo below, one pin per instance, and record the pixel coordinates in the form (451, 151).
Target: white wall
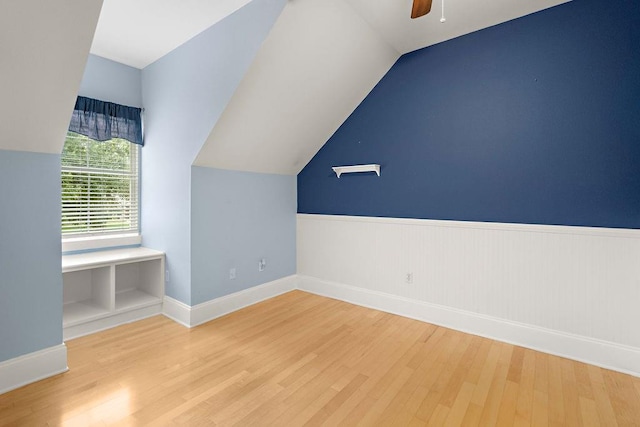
(577, 283)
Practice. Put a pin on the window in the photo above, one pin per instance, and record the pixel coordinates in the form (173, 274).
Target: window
(100, 193)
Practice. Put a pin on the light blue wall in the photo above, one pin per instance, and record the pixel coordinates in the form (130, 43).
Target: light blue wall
(184, 94)
(237, 218)
(30, 273)
(111, 81)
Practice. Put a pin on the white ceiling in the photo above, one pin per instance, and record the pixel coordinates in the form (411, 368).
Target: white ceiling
(392, 21)
(319, 62)
(137, 32)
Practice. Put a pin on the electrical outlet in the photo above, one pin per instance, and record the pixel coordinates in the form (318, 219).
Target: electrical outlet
(408, 278)
(262, 264)
(166, 276)
(232, 273)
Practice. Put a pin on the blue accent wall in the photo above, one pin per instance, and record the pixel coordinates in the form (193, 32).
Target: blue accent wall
(30, 251)
(237, 218)
(536, 120)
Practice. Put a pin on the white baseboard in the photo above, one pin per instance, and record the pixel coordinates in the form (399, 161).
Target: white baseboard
(32, 367)
(596, 352)
(51, 361)
(177, 311)
(111, 321)
(202, 313)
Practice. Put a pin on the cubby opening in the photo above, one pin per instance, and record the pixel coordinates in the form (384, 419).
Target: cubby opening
(138, 284)
(87, 294)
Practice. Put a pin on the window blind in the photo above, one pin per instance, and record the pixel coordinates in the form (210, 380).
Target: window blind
(99, 186)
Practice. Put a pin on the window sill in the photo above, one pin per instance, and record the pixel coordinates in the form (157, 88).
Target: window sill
(75, 244)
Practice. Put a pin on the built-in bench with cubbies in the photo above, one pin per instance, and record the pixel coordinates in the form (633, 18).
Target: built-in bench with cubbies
(108, 288)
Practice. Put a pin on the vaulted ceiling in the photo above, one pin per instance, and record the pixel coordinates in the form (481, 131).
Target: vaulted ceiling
(390, 18)
(318, 63)
(138, 32)
(320, 60)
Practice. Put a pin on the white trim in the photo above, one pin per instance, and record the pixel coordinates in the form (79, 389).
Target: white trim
(218, 307)
(96, 259)
(111, 321)
(605, 354)
(32, 367)
(500, 226)
(72, 244)
(596, 352)
(177, 311)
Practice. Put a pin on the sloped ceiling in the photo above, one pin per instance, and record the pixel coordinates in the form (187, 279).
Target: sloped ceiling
(319, 62)
(43, 50)
(390, 18)
(138, 32)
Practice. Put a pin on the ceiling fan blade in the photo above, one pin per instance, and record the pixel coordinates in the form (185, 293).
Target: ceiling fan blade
(420, 8)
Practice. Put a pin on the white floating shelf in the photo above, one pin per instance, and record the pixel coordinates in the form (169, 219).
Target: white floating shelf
(339, 170)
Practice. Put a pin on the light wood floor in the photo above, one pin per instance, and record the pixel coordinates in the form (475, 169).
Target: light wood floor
(301, 359)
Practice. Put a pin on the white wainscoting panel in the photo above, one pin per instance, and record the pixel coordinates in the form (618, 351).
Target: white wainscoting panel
(32, 367)
(573, 281)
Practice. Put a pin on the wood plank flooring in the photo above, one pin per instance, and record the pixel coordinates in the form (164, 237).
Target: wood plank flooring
(300, 359)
